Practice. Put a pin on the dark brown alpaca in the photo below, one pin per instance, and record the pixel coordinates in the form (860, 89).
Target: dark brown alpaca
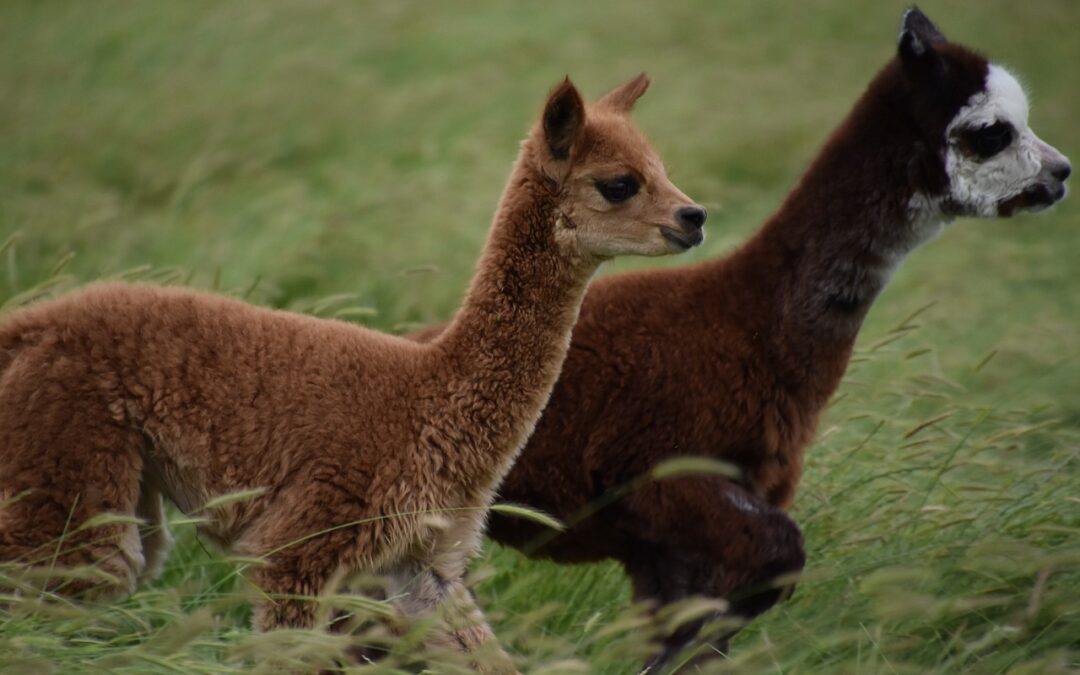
(736, 358)
(375, 454)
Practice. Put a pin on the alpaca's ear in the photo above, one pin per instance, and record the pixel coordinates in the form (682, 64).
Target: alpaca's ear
(623, 97)
(918, 37)
(564, 119)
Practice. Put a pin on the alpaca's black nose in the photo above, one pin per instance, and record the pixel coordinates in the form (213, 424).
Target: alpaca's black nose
(1062, 172)
(691, 217)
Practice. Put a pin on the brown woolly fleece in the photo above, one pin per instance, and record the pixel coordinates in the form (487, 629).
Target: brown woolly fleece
(375, 454)
(734, 359)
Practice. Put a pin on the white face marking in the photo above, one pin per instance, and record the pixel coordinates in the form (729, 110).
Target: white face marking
(979, 186)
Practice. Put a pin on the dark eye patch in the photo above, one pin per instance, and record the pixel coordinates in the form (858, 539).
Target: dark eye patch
(985, 142)
(617, 190)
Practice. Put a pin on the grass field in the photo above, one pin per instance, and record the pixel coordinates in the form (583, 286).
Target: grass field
(298, 151)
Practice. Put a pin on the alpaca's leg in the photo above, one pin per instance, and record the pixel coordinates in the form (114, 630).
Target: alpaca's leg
(292, 581)
(431, 586)
(462, 627)
(64, 459)
(663, 577)
(458, 625)
(308, 546)
(708, 537)
(153, 532)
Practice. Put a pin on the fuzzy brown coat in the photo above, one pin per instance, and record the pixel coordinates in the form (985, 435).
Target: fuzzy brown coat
(373, 454)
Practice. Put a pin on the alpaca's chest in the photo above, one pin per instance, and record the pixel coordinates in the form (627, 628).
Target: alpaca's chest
(761, 428)
(462, 463)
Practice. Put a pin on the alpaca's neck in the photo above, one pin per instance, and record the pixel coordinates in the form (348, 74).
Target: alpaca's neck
(839, 241)
(818, 264)
(506, 345)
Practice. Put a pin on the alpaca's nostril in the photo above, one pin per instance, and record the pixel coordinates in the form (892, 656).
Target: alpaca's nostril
(691, 217)
(1062, 172)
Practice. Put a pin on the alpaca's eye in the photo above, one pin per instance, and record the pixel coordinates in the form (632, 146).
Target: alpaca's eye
(990, 140)
(618, 189)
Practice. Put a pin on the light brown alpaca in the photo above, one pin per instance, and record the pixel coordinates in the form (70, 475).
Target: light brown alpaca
(117, 395)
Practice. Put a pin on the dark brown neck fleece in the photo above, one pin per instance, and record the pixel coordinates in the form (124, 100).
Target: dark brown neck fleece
(848, 220)
(818, 264)
(509, 340)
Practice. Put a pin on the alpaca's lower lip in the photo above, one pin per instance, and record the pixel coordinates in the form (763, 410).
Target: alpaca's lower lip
(684, 240)
(1035, 198)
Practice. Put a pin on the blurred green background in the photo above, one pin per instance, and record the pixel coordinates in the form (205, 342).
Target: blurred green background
(293, 151)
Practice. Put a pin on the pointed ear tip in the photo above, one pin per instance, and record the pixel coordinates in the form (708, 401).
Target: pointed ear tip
(636, 87)
(917, 22)
(563, 84)
(564, 88)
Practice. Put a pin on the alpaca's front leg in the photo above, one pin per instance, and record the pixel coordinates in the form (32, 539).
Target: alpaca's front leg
(299, 568)
(706, 536)
(464, 627)
(459, 627)
(432, 587)
(291, 586)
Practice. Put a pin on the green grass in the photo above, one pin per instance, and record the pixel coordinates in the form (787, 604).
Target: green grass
(295, 151)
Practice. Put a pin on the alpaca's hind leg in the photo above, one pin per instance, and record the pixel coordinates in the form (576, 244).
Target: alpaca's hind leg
(65, 460)
(708, 537)
(153, 532)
